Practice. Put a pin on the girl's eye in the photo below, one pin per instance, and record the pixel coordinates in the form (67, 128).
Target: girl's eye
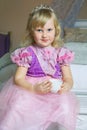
(50, 29)
(39, 30)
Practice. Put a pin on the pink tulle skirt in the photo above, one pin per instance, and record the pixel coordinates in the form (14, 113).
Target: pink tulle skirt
(23, 110)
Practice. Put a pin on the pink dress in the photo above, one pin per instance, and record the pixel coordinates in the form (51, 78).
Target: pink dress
(21, 109)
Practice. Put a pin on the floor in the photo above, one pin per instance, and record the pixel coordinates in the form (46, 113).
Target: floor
(82, 122)
(82, 118)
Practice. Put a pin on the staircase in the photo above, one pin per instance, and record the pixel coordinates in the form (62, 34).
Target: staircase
(79, 73)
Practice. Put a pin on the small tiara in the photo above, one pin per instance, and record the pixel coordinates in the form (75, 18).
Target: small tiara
(37, 8)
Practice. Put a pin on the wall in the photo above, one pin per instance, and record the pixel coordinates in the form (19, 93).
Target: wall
(83, 12)
(14, 14)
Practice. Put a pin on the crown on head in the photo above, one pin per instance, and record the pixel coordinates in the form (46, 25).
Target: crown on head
(37, 8)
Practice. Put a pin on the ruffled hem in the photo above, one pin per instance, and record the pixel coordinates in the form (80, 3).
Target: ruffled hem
(24, 110)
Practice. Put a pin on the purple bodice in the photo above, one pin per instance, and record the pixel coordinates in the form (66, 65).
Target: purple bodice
(42, 61)
(36, 70)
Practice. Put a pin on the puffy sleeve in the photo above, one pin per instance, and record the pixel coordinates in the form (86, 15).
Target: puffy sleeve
(65, 56)
(22, 57)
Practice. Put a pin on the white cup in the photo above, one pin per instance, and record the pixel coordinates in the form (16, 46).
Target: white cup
(56, 84)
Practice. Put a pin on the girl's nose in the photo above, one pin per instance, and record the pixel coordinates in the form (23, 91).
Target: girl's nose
(44, 34)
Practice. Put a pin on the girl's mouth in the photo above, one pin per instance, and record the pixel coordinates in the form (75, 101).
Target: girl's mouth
(45, 40)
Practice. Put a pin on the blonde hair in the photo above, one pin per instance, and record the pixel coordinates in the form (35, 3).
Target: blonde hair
(38, 17)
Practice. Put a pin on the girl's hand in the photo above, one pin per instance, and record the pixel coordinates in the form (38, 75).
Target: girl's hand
(65, 87)
(43, 87)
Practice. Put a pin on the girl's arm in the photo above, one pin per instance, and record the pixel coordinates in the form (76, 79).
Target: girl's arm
(19, 79)
(67, 79)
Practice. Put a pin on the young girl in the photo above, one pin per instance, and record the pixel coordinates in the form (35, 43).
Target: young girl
(29, 100)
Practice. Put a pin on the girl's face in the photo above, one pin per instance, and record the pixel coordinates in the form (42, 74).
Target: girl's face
(44, 36)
